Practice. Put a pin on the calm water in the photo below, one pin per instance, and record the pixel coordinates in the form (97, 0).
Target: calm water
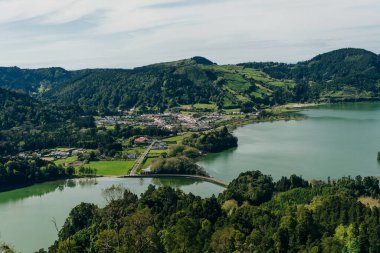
(26, 214)
(333, 140)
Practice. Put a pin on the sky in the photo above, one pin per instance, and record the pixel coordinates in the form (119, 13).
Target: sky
(77, 34)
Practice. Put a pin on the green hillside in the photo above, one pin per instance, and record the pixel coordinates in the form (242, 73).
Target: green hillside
(22, 110)
(341, 74)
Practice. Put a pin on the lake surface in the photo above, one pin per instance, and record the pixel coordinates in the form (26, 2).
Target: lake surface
(333, 140)
(26, 214)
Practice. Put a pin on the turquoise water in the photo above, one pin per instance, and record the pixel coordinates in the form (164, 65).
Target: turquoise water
(27, 214)
(334, 140)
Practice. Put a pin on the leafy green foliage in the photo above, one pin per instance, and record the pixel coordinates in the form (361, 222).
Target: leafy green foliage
(325, 217)
(21, 110)
(213, 141)
(177, 165)
(253, 187)
(20, 172)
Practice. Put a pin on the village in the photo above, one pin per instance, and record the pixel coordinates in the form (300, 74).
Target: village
(186, 121)
(91, 158)
(182, 121)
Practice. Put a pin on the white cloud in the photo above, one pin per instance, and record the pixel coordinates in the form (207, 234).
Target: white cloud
(128, 33)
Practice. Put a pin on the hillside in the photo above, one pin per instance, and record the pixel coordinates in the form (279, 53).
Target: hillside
(21, 110)
(34, 80)
(161, 86)
(27, 123)
(340, 74)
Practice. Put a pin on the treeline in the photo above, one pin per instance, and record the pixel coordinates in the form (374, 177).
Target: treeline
(213, 141)
(254, 214)
(21, 172)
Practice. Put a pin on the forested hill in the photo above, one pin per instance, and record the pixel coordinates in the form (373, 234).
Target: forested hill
(34, 80)
(153, 87)
(340, 74)
(21, 110)
(341, 70)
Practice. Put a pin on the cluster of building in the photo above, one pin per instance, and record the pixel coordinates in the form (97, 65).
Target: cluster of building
(51, 155)
(113, 120)
(166, 120)
(158, 145)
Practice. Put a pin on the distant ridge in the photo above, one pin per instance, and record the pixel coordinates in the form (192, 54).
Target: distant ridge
(343, 74)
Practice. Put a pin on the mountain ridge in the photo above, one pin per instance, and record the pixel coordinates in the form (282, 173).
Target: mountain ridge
(347, 73)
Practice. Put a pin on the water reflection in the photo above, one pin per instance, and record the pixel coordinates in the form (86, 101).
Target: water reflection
(175, 182)
(35, 190)
(39, 190)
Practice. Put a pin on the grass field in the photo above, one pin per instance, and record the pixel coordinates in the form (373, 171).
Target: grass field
(67, 160)
(205, 106)
(231, 110)
(157, 152)
(147, 162)
(177, 138)
(111, 168)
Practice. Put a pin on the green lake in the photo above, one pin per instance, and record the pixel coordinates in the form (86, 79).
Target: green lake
(332, 140)
(27, 214)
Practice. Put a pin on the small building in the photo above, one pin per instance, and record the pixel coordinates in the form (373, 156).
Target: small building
(160, 145)
(141, 141)
(132, 156)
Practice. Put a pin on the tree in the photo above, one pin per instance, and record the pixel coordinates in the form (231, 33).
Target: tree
(252, 186)
(79, 217)
(225, 240)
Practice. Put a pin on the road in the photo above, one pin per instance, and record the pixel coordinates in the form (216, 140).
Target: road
(141, 159)
(204, 178)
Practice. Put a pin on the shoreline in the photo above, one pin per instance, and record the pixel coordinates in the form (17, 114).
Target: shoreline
(280, 113)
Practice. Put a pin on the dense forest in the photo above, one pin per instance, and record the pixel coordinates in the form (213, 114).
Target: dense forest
(346, 74)
(27, 123)
(216, 140)
(19, 109)
(254, 214)
(22, 172)
(177, 165)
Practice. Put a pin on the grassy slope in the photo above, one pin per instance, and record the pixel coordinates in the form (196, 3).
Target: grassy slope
(245, 84)
(111, 168)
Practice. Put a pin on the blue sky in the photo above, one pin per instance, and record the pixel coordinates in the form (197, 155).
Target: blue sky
(78, 34)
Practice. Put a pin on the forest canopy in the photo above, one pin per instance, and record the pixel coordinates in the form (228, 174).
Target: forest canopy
(254, 214)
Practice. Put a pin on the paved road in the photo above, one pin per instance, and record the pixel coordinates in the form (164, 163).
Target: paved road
(141, 159)
(208, 179)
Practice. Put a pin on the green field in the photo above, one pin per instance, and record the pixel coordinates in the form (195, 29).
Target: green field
(147, 162)
(232, 110)
(205, 106)
(67, 160)
(158, 152)
(177, 138)
(111, 168)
